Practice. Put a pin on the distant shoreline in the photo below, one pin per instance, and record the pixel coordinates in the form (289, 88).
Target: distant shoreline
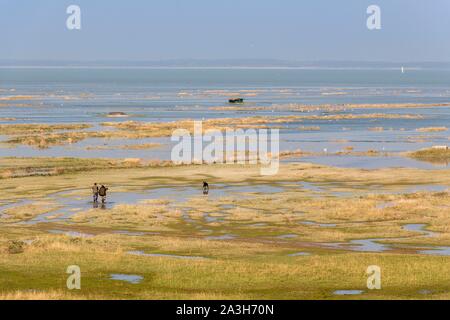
(238, 64)
(224, 68)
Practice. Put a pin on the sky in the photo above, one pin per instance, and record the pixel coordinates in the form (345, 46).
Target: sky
(135, 30)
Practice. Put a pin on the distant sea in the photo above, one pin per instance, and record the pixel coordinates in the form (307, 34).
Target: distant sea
(86, 94)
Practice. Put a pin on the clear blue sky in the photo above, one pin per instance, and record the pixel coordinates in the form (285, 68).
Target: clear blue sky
(412, 30)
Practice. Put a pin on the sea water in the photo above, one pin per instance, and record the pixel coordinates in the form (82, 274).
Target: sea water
(87, 95)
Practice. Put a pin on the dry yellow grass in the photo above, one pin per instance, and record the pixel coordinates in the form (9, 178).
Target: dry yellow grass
(44, 135)
(12, 167)
(255, 264)
(150, 215)
(432, 155)
(236, 270)
(42, 295)
(27, 212)
(311, 128)
(18, 97)
(17, 129)
(432, 129)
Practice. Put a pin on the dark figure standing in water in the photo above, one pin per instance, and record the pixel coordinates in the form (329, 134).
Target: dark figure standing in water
(95, 192)
(205, 187)
(102, 193)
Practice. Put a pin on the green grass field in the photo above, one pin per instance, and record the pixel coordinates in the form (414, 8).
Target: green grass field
(242, 243)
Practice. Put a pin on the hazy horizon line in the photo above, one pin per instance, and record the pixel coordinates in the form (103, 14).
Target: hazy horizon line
(219, 63)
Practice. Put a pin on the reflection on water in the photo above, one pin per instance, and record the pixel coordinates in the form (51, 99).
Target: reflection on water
(70, 202)
(419, 227)
(224, 237)
(347, 292)
(87, 149)
(299, 254)
(323, 225)
(208, 218)
(161, 255)
(426, 188)
(287, 236)
(72, 233)
(437, 251)
(385, 205)
(134, 233)
(131, 278)
(374, 245)
(368, 245)
(425, 291)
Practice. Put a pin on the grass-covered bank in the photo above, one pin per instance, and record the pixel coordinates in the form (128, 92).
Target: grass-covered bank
(39, 272)
(253, 237)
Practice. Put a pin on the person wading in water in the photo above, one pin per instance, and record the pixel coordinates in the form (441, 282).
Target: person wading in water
(205, 188)
(95, 192)
(102, 193)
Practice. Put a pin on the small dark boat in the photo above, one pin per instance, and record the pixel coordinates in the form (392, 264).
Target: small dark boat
(237, 100)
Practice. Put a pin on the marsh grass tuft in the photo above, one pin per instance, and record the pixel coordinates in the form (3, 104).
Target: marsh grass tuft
(433, 155)
(15, 247)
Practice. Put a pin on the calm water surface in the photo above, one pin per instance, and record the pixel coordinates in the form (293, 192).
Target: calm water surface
(86, 95)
